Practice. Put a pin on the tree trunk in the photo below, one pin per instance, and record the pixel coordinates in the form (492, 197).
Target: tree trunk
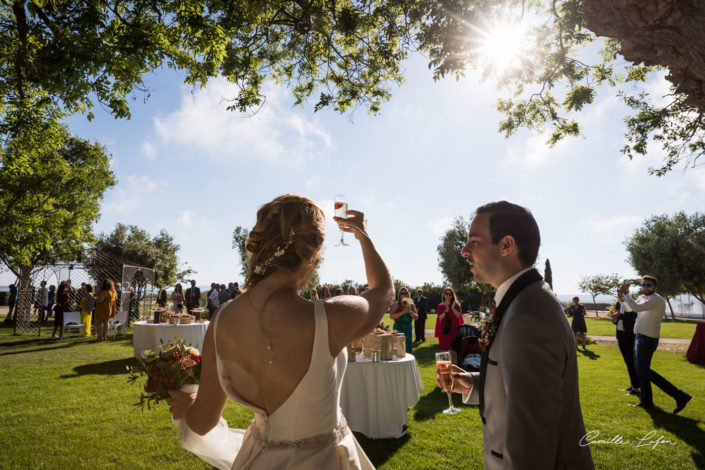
(669, 33)
(701, 298)
(594, 303)
(25, 298)
(673, 315)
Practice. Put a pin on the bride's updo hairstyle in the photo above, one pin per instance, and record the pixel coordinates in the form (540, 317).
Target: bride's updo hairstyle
(289, 231)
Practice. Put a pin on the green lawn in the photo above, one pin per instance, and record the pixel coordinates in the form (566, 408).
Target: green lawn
(67, 404)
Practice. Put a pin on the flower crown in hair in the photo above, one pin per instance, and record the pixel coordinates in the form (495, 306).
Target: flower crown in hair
(262, 267)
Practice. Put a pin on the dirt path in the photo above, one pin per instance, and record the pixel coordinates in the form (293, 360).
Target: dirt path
(664, 344)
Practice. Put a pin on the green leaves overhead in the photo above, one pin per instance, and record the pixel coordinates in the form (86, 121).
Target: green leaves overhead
(343, 53)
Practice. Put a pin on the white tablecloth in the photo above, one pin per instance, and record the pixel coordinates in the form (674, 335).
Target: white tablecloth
(375, 397)
(146, 336)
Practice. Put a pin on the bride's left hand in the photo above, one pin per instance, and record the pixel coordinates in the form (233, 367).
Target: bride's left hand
(180, 401)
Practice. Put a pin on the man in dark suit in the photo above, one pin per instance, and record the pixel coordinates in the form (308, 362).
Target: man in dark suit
(527, 387)
(193, 296)
(420, 323)
(624, 318)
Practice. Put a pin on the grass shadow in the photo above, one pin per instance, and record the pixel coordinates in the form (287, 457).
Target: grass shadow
(380, 450)
(589, 354)
(686, 429)
(59, 345)
(23, 342)
(114, 367)
(433, 403)
(425, 354)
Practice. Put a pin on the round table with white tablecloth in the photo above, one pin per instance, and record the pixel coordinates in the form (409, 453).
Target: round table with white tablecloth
(376, 396)
(150, 336)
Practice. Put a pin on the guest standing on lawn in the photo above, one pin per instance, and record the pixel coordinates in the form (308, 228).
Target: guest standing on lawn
(625, 319)
(193, 296)
(403, 313)
(421, 304)
(213, 300)
(52, 298)
(105, 309)
(87, 305)
(449, 319)
(162, 298)
(578, 324)
(177, 299)
(650, 308)
(63, 300)
(11, 300)
(42, 300)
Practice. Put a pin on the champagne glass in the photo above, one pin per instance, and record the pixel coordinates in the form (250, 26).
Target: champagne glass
(445, 370)
(341, 210)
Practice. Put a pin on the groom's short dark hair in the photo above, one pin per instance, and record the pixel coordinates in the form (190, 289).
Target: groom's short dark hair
(510, 219)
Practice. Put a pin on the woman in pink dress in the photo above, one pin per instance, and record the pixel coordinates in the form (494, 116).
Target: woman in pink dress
(450, 317)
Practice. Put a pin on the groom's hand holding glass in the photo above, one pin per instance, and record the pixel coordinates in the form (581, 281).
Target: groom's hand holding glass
(462, 381)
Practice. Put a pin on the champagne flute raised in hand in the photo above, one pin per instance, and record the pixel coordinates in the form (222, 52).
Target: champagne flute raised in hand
(445, 371)
(341, 210)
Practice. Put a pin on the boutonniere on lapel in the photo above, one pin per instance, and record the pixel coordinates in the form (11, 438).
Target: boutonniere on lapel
(488, 330)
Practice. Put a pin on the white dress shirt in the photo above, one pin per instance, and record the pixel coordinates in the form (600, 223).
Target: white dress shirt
(650, 310)
(504, 287)
(470, 398)
(214, 298)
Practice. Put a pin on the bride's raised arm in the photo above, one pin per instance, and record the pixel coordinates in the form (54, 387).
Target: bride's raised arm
(352, 317)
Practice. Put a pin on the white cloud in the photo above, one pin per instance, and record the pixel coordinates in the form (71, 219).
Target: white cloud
(202, 127)
(440, 226)
(129, 195)
(533, 151)
(186, 218)
(312, 182)
(148, 150)
(658, 88)
(613, 225)
(695, 178)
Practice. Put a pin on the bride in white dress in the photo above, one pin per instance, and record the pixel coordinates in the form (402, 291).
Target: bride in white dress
(281, 355)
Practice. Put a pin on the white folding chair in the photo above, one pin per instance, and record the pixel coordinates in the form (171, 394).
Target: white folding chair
(72, 322)
(118, 323)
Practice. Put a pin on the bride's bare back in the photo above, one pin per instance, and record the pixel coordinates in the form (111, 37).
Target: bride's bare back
(243, 337)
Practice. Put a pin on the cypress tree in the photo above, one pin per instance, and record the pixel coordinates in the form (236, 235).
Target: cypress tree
(548, 274)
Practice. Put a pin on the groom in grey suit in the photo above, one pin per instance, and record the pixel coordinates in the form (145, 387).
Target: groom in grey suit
(527, 387)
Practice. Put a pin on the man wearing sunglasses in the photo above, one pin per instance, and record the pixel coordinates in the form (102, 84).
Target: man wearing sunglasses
(650, 308)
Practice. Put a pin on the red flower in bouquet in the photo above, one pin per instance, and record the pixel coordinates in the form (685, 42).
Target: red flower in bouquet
(172, 368)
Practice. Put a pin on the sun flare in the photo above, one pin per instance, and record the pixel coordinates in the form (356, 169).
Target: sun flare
(501, 46)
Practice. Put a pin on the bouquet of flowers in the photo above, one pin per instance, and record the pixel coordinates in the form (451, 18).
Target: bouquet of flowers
(171, 368)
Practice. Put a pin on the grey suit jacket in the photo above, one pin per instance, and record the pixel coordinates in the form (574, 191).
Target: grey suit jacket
(532, 406)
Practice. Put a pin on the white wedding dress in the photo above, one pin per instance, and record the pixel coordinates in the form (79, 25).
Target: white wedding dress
(308, 431)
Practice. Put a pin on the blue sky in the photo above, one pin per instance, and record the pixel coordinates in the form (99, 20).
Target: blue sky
(187, 165)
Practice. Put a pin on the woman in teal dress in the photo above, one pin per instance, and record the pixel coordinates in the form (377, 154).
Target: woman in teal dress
(404, 313)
